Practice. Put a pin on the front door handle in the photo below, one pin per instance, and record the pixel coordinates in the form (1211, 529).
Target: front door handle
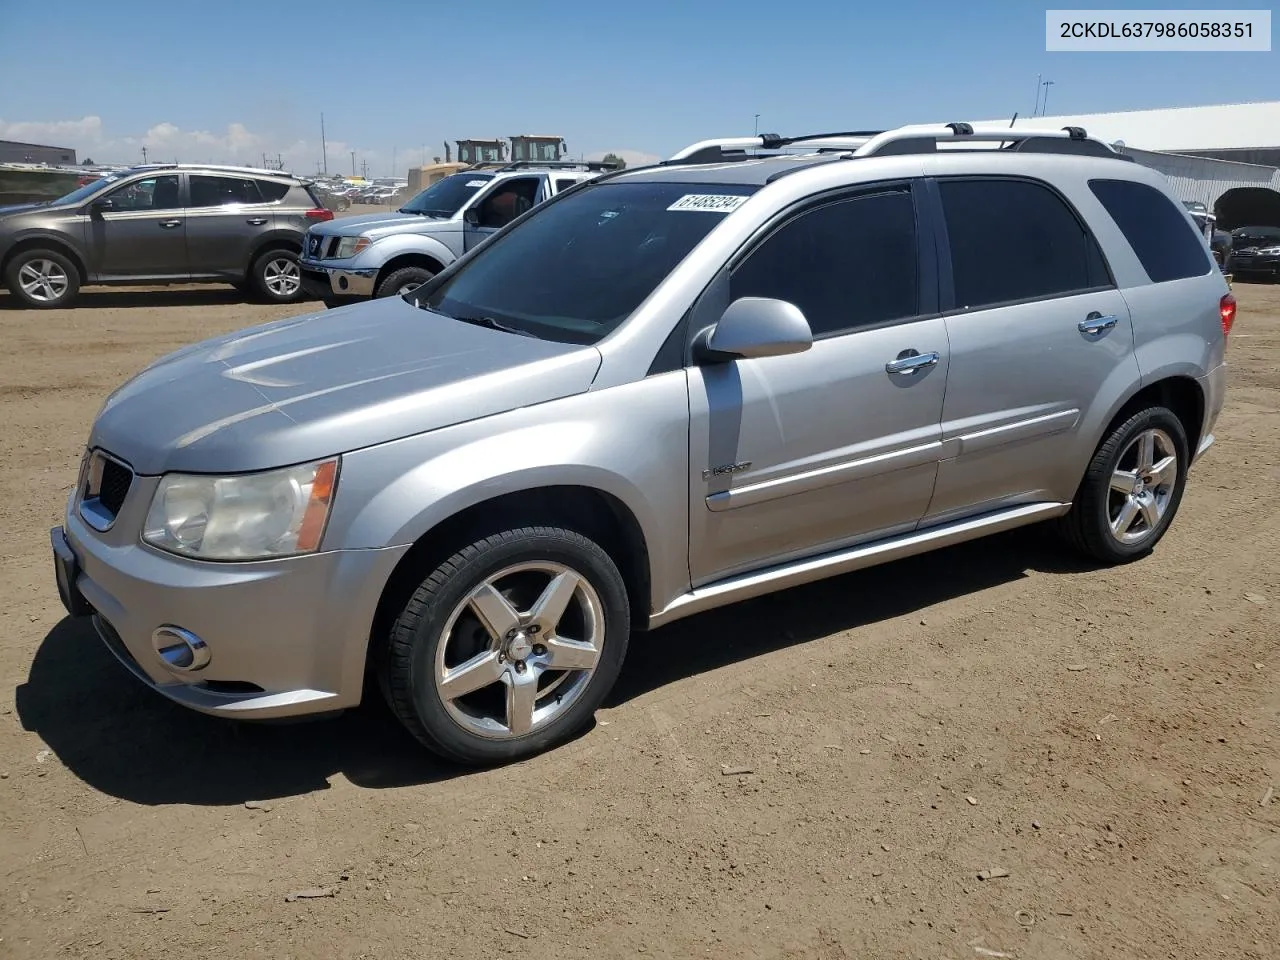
(1097, 323)
(911, 362)
(170, 224)
(256, 221)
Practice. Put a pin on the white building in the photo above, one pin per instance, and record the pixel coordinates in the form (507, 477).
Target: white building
(1225, 156)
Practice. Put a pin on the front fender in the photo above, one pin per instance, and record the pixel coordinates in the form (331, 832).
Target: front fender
(383, 251)
(629, 441)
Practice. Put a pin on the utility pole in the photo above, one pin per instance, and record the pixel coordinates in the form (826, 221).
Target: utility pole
(1035, 111)
(364, 169)
(324, 147)
(353, 163)
(755, 131)
(144, 154)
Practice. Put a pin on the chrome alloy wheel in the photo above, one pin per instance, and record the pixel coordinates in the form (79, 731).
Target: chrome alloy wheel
(519, 650)
(43, 280)
(282, 276)
(1142, 486)
(409, 287)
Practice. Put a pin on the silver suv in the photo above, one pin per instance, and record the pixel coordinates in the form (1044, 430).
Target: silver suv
(390, 254)
(162, 223)
(675, 387)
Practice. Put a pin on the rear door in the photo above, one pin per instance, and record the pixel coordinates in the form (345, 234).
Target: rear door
(140, 231)
(227, 219)
(1038, 332)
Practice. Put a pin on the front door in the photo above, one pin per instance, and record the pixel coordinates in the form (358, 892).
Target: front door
(1038, 330)
(227, 219)
(501, 204)
(802, 454)
(141, 232)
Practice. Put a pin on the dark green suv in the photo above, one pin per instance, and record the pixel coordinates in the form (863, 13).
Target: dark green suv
(162, 223)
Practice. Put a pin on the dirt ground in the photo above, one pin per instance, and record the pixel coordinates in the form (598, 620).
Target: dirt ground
(1101, 740)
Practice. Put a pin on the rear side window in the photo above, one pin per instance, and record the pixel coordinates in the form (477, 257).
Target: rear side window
(564, 184)
(271, 190)
(847, 265)
(219, 191)
(1166, 244)
(1016, 240)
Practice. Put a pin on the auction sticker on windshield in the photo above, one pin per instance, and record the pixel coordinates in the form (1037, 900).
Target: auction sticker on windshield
(709, 202)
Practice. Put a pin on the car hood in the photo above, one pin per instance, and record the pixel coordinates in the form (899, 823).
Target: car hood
(12, 208)
(385, 224)
(327, 383)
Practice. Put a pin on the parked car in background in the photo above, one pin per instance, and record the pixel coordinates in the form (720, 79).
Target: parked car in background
(659, 392)
(162, 223)
(1255, 252)
(384, 254)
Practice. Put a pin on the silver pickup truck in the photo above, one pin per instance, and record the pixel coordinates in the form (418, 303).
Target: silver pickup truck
(380, 254)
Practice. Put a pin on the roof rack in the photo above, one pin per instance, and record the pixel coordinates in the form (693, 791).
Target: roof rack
(233, 168)
(919, 138)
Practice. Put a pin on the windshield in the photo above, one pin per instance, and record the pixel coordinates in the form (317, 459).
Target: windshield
(87, 191)
(446, 197)
(579, 266)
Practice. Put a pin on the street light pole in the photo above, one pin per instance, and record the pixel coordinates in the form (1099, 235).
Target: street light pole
(1035, 111)
(756, 129)
(1045, 103)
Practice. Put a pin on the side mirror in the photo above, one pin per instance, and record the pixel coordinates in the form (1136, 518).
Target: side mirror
(755, 327)
(99, 207)
(472, 216)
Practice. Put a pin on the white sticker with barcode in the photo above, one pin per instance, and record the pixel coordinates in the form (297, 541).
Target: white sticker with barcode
(709, 202)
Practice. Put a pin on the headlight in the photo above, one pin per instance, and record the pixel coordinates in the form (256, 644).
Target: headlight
(255, 516)
(1269, 252)
(350, 246)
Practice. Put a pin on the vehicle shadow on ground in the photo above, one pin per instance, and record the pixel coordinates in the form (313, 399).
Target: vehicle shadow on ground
(772, 622)
(129, 742)
(181, 297)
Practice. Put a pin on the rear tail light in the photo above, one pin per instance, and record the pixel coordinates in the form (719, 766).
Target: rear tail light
(319, 214)
(1227, 310)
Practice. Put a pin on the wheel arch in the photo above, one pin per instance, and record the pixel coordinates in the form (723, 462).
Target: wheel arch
(1180, 392)
(591, 511)
(413, 258)
(46, 242)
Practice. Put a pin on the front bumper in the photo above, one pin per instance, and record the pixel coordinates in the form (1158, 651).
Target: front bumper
(328, 282)
(285, 637)
(1254, 265)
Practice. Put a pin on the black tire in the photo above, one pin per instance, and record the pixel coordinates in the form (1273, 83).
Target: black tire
(392, 282)
(66, 290)
(407, 666)
(1088, 524)
(265, 272)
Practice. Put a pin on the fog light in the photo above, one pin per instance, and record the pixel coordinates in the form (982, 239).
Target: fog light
(342, 282)
(180, 649)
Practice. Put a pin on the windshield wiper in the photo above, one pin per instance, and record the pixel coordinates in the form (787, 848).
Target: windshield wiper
(494, 324)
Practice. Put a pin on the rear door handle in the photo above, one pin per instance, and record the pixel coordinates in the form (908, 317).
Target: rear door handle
(1097, 323)
(911, 362)
(170, 224)
(256, 221)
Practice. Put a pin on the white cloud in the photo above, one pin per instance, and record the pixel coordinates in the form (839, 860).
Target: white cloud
(166, 141)
(634, 158)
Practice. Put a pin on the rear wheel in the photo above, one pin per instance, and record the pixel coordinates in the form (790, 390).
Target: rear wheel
(44, 279)
(1132, 489)
(509, 646)
(402, 281)
(276, 276)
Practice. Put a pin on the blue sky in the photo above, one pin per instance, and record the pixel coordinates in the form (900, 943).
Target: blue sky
(230, 80)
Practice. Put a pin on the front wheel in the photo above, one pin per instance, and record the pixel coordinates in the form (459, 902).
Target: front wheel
(402, 281)
(276, 276)
(1132, 489)
(44, 279)
(509, 646)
